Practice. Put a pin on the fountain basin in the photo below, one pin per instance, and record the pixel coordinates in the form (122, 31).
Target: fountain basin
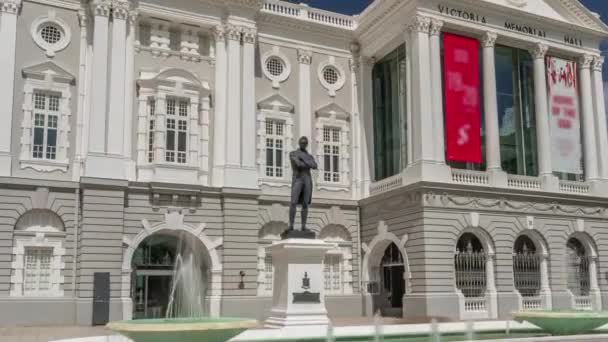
(182, 329)
(562, 323)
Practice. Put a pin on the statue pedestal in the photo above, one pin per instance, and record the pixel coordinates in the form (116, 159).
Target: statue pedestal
(298, 292)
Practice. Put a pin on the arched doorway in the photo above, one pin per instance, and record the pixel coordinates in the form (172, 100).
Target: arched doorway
(392, 282)
(155, 277)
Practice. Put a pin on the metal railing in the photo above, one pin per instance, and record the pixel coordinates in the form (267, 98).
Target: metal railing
(524, 182)
(578, 275)
(470, 268)
(526, 273)
(470, 177)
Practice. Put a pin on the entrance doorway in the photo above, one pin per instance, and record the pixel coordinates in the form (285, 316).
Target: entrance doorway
(392, 282)
(153, 273)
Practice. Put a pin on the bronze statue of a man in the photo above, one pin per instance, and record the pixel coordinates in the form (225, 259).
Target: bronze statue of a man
(301, 189)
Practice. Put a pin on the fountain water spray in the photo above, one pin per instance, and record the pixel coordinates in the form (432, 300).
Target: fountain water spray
(508, 328)
(435, 335)
(470, 336)
(378, 327)
(330, 333)
(187, 297)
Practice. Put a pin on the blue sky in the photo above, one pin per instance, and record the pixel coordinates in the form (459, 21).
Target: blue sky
(356, 6)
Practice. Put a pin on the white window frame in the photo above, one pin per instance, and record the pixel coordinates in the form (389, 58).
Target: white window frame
(264, 274)
(332, 89)
(180, 125)
(332, 116)
(275, 108)
(46, 114)
(278, 79)
(47, 239)
(46, 78)
(160, 86)
(275, 139)
(330, 275)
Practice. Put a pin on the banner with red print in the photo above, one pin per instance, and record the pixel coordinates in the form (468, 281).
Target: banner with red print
(462, 100)
(564, 113)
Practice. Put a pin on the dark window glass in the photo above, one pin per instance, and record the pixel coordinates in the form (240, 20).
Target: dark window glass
(181, 142)
(171, 140)
(38, 136)
(390, 142)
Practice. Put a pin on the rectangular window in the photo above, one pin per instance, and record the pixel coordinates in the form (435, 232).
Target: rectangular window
(37, 270)
(177, 130)
(268, 273)
(331, 154)
(516, 111)
(151, 114)
(274, 148)
(46, 116)
(332, 272)
(390, 124)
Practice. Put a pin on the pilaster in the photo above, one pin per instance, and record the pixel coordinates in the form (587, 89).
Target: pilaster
(305, 102)
(9, 10)
(130, 94)
(233, 106)
(248, 144)
(219, 122)
(589, 136)
(366, 123)
(437, 90)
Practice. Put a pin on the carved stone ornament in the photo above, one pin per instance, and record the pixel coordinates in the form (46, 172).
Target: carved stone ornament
(101, 8)
(489, 39)
(82, 18)
(436, 26)
(585, 61)
(219, 33)
(304, 56)
(420, 24)
(233, 32)
(249, 35)
(539, 51)
(10, 6)
(598, 63)
(120, 9)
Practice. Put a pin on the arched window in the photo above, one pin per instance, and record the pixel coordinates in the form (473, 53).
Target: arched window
(526, 271)
(37, 255)
(577, 268)
(337, 264)
(269, 233)
(470, 266)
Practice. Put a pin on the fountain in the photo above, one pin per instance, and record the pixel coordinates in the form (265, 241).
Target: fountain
(185, 315)
(561, 323)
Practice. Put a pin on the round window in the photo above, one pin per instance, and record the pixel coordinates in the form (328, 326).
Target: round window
(275, 66)
(51, 34)
(331, 75)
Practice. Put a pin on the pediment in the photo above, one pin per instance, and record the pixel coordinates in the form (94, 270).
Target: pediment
(566, 11)
(48, 71)
(276, 102)
(332, 110)
(173, 77)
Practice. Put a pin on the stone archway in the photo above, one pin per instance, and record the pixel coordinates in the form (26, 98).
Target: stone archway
(374, 252)
(174, 222)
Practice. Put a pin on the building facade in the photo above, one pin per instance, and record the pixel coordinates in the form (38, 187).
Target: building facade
(138, 132)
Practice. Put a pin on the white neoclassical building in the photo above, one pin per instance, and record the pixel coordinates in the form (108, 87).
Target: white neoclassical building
(462, 149)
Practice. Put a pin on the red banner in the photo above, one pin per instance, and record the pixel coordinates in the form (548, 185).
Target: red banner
(462, 100)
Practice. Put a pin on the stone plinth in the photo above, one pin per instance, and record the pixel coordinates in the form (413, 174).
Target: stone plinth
(298, 292)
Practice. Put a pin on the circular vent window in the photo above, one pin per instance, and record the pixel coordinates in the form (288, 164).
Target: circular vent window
(51, 34)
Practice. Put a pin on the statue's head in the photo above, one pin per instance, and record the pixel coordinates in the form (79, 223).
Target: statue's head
(303, 143)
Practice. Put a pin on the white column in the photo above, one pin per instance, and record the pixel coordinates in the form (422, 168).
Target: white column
(355, 124)
(97, 135)
(219, 114)
(545, 288)
(79, 151)
(130, 85)
(491, 294)
(542, 115)
(8, 35)
(160, 127)
(490, 103)
(305, 103)
(422, 107)
(249, 122)
(437, 91)
(589, 141)
(594, 288)
(233, 104)
(366, 122)
(116, 112)
(601, 128)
